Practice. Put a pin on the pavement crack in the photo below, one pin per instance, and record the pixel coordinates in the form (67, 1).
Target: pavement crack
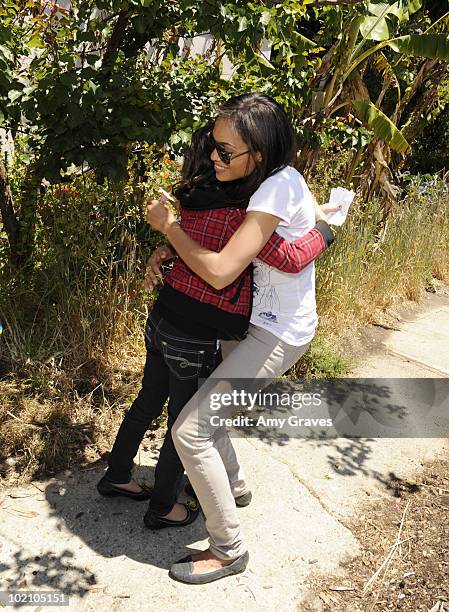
(308, 488)
(421, 364)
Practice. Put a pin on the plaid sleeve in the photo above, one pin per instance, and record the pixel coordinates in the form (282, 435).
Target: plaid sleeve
(293, 256)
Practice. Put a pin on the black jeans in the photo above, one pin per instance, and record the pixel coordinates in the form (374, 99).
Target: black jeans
(174, 363)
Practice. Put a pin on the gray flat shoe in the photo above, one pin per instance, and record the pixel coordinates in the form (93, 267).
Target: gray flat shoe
(241, 501)
(182, 570)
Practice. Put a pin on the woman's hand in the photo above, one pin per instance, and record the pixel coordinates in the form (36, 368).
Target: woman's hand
(160, 217)
(329, 208)
(153, 274)
(320, 211)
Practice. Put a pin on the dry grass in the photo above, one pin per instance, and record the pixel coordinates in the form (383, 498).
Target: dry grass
(71, 361)
(51, 419)
(367, 270)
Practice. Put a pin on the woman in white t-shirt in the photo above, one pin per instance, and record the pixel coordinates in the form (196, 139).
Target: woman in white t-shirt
(283, 320)
(284, 304)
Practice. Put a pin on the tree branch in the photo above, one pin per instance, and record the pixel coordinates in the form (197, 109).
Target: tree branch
(117, 35)
(10, 221)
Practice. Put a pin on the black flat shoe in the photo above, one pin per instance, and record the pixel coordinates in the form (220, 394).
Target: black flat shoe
(154, 521)
(107, 489)
(241, 501)
(182, 570)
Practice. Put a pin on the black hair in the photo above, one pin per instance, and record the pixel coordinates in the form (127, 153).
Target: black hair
(197, 168)
(263, 125)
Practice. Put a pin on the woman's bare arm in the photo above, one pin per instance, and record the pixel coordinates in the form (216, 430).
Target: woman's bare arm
(219, 269)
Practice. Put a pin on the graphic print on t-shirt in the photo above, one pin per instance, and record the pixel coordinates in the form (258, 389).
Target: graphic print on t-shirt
(265, 298)
(283, 303)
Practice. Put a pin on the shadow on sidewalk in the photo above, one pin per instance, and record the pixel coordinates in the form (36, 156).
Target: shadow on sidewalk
(110, 527)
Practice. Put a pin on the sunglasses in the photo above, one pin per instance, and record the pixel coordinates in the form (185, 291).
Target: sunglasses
(225, 156)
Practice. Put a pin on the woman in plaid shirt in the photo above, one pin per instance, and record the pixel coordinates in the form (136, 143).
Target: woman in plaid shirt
(252, 146)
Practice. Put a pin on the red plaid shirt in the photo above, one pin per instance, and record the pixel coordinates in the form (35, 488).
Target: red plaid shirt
(212, 229)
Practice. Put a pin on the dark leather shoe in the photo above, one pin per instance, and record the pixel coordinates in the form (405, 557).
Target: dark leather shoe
(107, 489)
(154, 521)
(241, 501)
(182, 570)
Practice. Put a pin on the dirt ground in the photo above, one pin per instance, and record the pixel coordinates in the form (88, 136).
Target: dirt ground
(405, 559)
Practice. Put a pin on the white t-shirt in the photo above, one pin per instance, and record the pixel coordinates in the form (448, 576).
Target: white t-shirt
(284, 303)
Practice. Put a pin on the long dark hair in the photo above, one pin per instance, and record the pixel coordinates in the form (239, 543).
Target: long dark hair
(263, 125)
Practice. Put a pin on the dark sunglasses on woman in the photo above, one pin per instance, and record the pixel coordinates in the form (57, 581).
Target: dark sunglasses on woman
(225, 156)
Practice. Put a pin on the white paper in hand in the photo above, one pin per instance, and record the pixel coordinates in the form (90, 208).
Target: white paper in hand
(342, 196)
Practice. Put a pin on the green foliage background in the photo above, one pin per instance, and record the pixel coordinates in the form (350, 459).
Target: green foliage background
(100, 103)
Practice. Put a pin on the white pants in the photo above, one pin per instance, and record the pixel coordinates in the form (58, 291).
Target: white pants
(206, 450)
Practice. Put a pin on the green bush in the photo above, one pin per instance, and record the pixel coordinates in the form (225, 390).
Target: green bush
(85, 290)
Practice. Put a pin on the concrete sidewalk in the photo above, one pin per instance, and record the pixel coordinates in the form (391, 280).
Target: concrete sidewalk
(61, 535)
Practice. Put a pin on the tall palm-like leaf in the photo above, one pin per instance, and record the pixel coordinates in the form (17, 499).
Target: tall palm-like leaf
(381, 64)
(381, 125)
(383, 17)
(432, 46)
